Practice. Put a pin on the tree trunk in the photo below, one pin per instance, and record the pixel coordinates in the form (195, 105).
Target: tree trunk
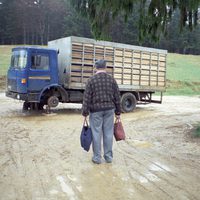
(24, 33)
(48, 31)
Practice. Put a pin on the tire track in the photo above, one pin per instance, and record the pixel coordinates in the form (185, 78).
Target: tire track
(137, 158)
(12, 149)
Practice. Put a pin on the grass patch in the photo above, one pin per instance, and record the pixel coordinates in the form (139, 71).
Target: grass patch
(183, 67)
(196, 132)
(182, 88)
(5, 54)
(183, 74)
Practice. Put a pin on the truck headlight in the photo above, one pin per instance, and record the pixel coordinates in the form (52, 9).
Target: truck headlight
(18, 96)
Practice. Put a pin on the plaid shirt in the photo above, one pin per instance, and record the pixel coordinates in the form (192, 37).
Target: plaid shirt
(101, 93)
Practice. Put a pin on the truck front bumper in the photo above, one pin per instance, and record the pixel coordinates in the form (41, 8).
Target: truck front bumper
(31, 97)
(15, 95)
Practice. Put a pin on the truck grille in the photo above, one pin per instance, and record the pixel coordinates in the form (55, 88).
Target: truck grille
(12, 85)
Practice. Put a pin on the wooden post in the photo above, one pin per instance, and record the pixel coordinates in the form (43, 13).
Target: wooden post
(83, 53)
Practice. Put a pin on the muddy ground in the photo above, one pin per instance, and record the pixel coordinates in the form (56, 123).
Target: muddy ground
(41, 157)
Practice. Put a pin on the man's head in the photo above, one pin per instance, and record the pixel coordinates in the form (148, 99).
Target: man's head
(100, 64)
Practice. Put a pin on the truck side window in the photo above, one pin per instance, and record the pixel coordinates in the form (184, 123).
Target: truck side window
(40, 62)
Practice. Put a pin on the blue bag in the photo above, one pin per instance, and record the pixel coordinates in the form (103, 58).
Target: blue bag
(86, 136)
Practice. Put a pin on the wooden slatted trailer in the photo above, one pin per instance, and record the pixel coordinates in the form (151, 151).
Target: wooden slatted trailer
(139, 71)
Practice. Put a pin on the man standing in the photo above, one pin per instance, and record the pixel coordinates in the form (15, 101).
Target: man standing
(101, 100)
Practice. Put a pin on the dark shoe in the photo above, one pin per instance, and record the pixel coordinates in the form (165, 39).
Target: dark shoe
(108, 160)
(96, 162)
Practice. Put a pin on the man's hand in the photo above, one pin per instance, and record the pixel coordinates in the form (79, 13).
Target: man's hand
(117, 116)
(85, 114)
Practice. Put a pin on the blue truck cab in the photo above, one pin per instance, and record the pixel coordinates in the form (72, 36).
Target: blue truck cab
(33, 77)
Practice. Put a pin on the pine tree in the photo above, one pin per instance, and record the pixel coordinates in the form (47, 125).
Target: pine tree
(154, 14)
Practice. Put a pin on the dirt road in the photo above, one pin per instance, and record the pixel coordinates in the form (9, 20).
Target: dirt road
(41, 157)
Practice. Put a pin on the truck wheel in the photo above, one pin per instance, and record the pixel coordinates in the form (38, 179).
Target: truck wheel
(33, 106)
(41, 106)
(26, 106)
(128, 102)
(52, 101)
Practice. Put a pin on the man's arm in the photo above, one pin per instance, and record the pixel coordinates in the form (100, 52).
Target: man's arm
(117, 99)
(86, 100)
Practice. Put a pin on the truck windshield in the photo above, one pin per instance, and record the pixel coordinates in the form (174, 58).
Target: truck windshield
(19, 59)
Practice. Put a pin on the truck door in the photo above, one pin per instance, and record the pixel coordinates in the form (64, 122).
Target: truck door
(39, 75)
(17, 73)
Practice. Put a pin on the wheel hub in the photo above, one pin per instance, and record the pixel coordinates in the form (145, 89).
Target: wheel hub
(53, 101)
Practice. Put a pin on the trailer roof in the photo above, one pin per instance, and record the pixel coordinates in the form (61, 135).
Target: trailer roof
(112, 44)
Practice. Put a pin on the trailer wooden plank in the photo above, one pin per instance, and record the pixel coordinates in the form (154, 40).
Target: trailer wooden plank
(131, 66)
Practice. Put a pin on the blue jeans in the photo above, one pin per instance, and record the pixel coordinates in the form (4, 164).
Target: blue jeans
(102, 123)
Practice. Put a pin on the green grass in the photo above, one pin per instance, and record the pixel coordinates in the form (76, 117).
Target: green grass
(183, 67)
(183, 72)
(196, 132)
(5, 53)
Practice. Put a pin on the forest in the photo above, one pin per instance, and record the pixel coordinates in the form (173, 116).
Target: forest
(35, 22)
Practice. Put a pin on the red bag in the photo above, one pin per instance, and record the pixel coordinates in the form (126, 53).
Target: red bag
(119, 130)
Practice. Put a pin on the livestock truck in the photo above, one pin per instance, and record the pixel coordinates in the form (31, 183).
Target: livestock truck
(46, 76)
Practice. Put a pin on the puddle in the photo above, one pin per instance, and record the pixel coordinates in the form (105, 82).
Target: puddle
(140, 143)
(159, 167)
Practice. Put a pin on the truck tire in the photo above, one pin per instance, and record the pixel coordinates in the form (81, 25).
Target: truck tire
(26, 106)
(33, 106)
(128, 102)
(40, 106)
(53, 101)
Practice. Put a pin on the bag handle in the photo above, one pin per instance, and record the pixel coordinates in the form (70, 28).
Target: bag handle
(117, 119)
(85, 122)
